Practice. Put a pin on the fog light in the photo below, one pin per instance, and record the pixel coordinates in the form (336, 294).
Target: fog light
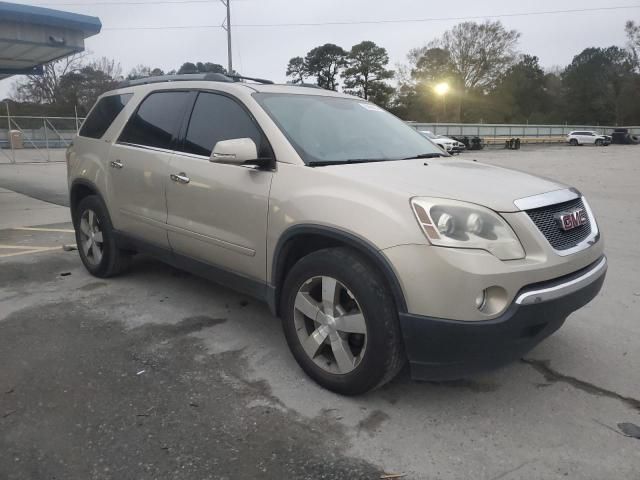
(481, 300)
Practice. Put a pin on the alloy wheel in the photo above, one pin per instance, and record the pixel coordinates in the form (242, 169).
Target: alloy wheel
(91, 237)
(330, 325)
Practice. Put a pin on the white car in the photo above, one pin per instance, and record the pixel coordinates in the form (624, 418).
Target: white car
(447, 144)
(588, 137)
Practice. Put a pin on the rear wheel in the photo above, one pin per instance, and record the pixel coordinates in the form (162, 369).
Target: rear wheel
(341, 323)
(96, 240)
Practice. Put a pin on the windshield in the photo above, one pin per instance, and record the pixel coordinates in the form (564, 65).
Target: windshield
(327, 130)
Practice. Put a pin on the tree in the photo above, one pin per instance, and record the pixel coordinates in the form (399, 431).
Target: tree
(474, 56)
(43, 88)
(633, 41)
(139, 71)
(200, 67)
(366, 71)
(325, 63)
(108, 66)
(297, 70)
(522, 91)
(598, 85)
(82, 88)
(480, 53)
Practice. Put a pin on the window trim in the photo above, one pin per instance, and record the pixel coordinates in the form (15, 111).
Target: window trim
(187, 121)
(174, 138)
(125, 94)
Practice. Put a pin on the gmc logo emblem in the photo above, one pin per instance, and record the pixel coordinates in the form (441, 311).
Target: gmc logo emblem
(573, 219)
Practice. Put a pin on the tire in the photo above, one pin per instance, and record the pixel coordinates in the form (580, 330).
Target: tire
(101, 258)
(599, 142)
(573, 142)
(356, 291)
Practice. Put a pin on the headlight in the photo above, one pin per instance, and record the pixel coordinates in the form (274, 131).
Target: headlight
(450, 223)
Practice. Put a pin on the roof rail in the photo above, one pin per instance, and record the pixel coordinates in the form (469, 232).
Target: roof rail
(186, 77)
(257, 80)
(306, 85)
(211, 77)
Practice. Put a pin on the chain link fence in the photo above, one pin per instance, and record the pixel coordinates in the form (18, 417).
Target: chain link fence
(35, 139)
(43, 139)
(496, 134)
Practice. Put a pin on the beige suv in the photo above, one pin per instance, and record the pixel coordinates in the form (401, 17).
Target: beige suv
(372, 245)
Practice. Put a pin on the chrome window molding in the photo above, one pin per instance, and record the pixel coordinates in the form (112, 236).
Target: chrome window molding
(146, 147)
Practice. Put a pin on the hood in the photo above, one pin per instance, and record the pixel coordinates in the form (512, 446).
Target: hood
(493, 187)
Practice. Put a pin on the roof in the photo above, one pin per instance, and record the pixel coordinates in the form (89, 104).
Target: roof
(13, 12)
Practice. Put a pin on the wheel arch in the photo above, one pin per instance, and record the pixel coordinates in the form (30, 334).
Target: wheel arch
(81, 188)
(300, 240)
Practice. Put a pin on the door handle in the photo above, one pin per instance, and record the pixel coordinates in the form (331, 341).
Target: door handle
(180, 178)
(117, 164)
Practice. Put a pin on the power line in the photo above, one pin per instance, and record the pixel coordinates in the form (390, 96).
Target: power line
(437, 19)
(378, 22)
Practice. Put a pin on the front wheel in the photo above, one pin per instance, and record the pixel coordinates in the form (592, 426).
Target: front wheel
(573, 142)
(599, 143)
(341, 323)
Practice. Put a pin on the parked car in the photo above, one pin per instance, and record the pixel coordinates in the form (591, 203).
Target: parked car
(447, 144)
(372, 245)
(470, 143)
(588, 137)
(624, 137)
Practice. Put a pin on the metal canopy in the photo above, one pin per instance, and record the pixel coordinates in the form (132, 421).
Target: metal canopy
(32, 36)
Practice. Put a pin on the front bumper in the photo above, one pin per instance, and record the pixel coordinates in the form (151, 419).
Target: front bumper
(440, 349)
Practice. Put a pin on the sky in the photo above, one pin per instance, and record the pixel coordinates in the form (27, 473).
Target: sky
(264, 51)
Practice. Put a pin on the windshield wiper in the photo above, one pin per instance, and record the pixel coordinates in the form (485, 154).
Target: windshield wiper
(427, 155)
(323, 163)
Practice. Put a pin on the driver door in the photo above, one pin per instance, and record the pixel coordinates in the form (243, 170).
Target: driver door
(217, 213)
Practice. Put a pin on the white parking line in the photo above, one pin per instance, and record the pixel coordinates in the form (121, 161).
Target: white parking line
(38, 229)
(24, 250)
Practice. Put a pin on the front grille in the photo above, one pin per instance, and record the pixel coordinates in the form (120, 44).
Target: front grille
(544, 218)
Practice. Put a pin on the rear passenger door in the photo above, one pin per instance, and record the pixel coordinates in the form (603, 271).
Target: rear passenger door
(220, 215)
(139, 165)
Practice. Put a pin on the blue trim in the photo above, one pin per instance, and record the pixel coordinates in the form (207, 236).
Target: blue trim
(38, 70)
(50, 18)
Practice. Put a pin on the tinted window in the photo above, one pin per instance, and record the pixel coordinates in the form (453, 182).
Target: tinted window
(103, 114)
(217, 117)
(157, 120)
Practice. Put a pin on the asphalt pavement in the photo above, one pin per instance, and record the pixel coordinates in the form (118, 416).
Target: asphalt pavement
(160, 374)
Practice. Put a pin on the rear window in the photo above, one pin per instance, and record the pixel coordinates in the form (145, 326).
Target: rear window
(103, 115)
(157, 120)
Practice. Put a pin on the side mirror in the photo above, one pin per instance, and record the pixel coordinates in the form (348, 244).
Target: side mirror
(237, 151)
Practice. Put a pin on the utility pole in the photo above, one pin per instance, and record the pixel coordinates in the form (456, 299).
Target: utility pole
(227, 26)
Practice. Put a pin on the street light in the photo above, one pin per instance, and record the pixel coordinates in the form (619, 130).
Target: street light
(441, 90)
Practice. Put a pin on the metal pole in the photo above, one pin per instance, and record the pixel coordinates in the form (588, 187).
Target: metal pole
(46, 138)
(227, 27)
(13, 153)
(77, 126)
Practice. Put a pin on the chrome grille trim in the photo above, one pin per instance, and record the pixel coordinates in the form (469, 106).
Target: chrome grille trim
(545, 199)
